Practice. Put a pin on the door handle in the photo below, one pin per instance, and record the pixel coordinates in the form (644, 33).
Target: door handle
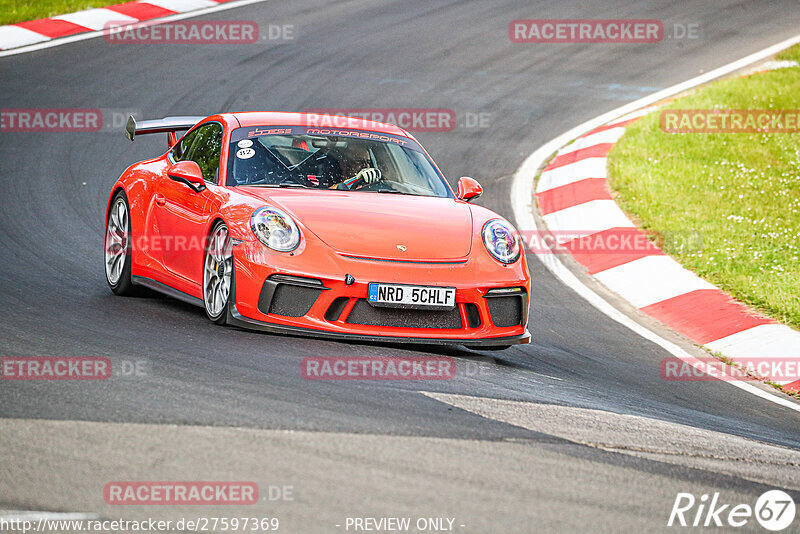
(160, 199)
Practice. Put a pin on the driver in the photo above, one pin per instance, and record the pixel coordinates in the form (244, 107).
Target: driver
(357, 169)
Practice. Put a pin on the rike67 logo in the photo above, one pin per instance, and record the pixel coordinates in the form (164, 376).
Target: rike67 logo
(774, 510)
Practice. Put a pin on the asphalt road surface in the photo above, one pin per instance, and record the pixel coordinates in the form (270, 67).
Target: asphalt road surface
(575, 431)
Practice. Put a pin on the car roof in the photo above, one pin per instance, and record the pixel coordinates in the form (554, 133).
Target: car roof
(285, 118)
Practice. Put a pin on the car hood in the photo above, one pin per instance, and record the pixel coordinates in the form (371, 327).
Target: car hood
(383, 226)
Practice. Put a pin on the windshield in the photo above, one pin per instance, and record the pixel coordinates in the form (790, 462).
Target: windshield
(324, 158)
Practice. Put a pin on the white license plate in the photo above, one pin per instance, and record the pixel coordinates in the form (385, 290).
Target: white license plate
(405, 296)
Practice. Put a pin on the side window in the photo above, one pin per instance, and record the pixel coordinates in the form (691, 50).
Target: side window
(180, 150)
(205, 150)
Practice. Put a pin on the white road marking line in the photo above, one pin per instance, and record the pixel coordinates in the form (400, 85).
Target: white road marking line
(180, 6)
(772, 65)
(635, 114)
(522, 205)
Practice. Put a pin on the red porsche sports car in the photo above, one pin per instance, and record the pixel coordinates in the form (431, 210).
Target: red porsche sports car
(318, 225)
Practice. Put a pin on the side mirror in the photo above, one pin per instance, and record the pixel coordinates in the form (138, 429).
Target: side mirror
(189, 173)
(468, 189)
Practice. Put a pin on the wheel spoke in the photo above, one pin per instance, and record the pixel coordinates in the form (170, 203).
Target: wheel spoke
(215, 251)
(226, 283)
(224, 289)
(212, 304)
(222, 251)
(226, 248)
(115, 239)
(113, 224)
(116, 266)
(122, 216)
(210, 285)
(216, 297)
(212, 244)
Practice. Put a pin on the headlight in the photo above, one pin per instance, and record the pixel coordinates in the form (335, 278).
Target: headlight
(501, 241)
(275, 229)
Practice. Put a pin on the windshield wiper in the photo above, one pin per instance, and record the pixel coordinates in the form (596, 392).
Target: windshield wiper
(393, 192)
(282, 184)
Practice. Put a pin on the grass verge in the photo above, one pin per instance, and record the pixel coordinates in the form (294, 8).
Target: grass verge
(732, 200)
(13, 11)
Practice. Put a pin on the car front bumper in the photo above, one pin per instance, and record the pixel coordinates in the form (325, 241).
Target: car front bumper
(323, 294)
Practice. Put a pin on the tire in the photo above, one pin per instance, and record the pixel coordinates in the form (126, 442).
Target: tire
(218, 273)
(117, 247)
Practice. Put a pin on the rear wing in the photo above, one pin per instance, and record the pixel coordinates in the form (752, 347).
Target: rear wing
(168, 125)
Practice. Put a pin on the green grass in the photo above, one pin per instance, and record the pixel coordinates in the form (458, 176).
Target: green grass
(792, 54)
(13, 11)
(726, 206)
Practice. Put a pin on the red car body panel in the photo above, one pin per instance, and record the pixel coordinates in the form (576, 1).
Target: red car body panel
(343, 233)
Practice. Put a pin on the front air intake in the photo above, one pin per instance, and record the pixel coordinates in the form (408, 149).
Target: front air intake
(507, 306)
(365, 314)
(289, 296)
